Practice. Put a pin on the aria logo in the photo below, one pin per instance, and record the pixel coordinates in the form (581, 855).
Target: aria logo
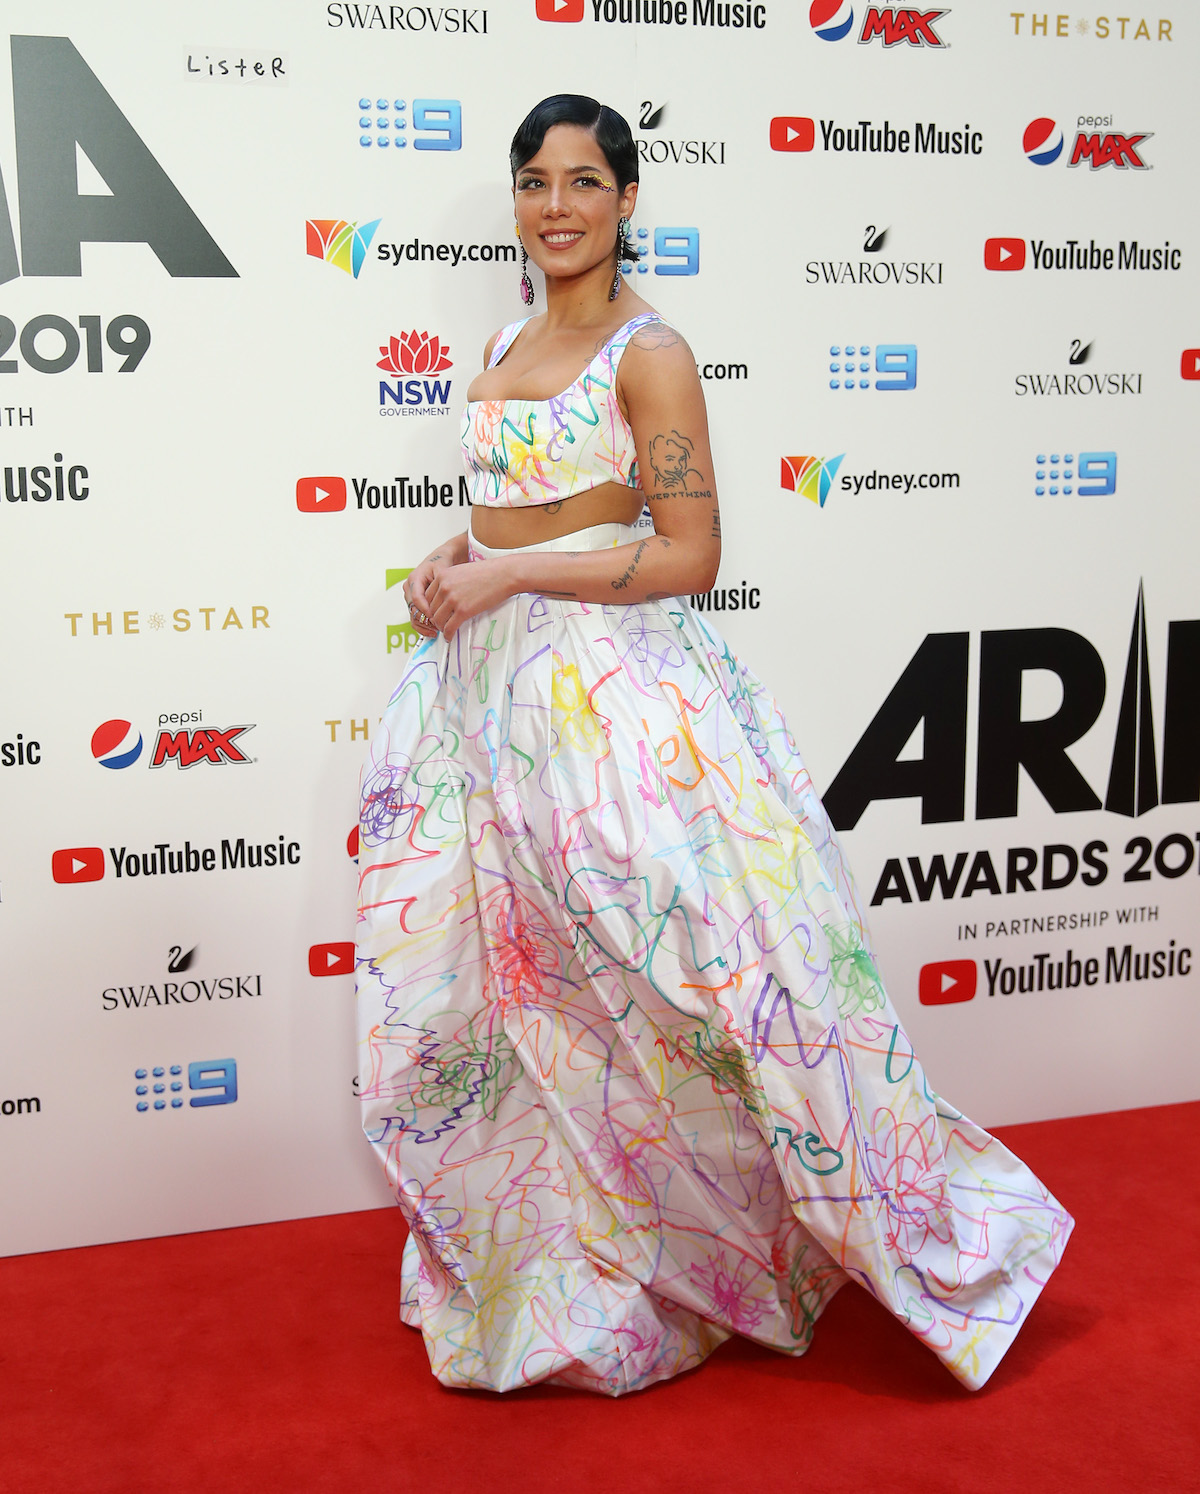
(339, 243)
(414, 353)
(118, 743)
(931, 696)
(436, 124)
(1043, 144)
(833, 20)
(138, 202)
(811, 477)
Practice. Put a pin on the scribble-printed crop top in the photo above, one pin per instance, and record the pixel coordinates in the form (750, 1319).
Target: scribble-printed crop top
(520, 452)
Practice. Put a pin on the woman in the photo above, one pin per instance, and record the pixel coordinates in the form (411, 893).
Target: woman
(628, 1061)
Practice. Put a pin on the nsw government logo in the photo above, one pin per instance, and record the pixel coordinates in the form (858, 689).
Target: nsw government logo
(414, 353)
(833, 21)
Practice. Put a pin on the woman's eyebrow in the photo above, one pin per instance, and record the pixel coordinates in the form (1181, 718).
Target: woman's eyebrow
(570, 170)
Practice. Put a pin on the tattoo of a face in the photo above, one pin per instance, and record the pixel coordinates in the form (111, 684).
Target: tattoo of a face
(671, 459)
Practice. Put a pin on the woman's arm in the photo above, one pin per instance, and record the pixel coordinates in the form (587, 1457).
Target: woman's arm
(664, 404)
(451, 552)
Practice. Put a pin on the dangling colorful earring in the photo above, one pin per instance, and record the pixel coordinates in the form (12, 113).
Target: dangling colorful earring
(622, 240)
(526, 283)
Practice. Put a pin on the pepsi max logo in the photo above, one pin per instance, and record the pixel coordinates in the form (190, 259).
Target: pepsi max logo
(116, 744)
(831, 19)
(1043, 142)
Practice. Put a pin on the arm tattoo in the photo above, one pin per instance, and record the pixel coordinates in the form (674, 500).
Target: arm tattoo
(716, 529)
(656, 335)
(671, 458)
(623, 579)
(680, 493)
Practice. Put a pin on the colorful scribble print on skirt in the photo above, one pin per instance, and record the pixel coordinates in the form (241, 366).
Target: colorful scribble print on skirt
(626, 1055)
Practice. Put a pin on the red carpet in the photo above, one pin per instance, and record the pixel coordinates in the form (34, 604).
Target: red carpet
(271, 1359)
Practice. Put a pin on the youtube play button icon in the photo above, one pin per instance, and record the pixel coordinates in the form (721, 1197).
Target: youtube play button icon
(792, 132)
(1189, 363)
(331, 959)
(560, 10)
(947, 981)
(77, 864)
(1004, 254)
(321, 495)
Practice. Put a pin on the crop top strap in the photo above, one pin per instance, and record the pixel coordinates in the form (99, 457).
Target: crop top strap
(626, 334)
(505, 339)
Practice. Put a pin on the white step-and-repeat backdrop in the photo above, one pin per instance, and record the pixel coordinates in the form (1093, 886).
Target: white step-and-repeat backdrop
(939, 268)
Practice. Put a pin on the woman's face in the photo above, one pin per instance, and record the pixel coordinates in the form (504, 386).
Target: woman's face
(567, 203)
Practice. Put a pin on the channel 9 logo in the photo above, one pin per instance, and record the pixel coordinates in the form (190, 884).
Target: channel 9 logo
(211, 1081)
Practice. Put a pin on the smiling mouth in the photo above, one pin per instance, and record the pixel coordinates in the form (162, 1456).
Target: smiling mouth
(561, 240)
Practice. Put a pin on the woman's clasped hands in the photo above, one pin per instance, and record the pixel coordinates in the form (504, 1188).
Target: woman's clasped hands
(442, 596)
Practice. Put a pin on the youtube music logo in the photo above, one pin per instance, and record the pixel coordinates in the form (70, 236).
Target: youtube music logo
(560, 10)
(331, 959)
(78, 864)
(792, 132)
(1004, 254)
(321, 495)
(1189, 364)
(947, 981)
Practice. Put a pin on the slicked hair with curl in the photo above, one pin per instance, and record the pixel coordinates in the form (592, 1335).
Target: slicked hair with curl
(610, 130)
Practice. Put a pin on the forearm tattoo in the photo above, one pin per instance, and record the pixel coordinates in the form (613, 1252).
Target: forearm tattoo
(623, 579)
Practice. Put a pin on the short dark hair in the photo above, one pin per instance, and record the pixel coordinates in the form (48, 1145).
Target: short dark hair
(610, 129)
